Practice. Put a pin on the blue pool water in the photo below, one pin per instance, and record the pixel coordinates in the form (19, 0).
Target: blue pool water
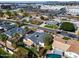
(53, 56)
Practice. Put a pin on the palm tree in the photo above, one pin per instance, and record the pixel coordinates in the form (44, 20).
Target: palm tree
(3, 38)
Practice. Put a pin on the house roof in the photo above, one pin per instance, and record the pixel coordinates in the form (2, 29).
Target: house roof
(28, 42)
(52, 22)
(6, 25)
(15, 30)
(37, 37)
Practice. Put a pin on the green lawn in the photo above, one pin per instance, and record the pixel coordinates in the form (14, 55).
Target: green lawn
(51, 26)
(66, 38)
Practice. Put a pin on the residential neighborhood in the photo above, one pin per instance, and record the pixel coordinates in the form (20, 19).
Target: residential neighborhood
(39, 29)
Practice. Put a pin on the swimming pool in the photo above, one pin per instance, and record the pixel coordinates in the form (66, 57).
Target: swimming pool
(53, 56)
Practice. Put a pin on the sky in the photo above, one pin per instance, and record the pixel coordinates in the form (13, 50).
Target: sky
(39, 0)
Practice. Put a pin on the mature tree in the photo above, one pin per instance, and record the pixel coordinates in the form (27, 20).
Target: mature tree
(48, 40)
(15, 13)
(15, 39)
(4, 54)
(42, 51)
(20, 53)
(16, 36)
(26, 28)
(33, 53)
(67, 26)
(42, 17)
(1, 13)
(30, 16)
(3, 38)
(25, 14)
(21, 10)
(9, 13)
(18, 24)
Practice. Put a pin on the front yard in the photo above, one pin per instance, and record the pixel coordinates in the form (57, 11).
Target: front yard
(51, 26)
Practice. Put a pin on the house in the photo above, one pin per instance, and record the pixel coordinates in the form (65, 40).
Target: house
(25, 18)
(9, 47)
(15, 30)
(19, 17)
(6, 26)
(51, 23)
(7, 6)
(28, 42)
(36, 38)
(2, 30)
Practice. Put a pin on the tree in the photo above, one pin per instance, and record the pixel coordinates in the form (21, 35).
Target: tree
(33, 53)
(30, 16)
(48, 40)
(18, 24)
(42, 51)
(26, 28)
(25, 14)
(20, 53)
(15, 13)
(9, 13)
(3, 38)
(4, 54)
(16, 36)
(15, 39)
(42, 17)
(21, 10)
(1, 13)
(67, 26)
(66, 39)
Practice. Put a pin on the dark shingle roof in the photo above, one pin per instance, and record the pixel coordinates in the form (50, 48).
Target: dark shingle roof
(15, 30)
(37, 37)
(6, 25)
